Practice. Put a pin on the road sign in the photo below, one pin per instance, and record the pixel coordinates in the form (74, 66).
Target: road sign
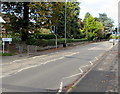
(7, 39)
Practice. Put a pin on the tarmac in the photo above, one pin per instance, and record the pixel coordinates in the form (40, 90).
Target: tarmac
(10, 64)
(103, 77)
(112, 55)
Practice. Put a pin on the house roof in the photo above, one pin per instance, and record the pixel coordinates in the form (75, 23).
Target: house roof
(1, 20)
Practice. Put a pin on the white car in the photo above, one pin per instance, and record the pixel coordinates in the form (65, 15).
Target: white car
(112, 40)
(118, 40)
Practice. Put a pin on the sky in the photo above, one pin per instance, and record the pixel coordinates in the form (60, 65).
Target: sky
(94, 7)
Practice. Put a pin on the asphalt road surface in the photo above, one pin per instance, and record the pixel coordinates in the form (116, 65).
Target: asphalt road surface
(103, 77)
(51, 69)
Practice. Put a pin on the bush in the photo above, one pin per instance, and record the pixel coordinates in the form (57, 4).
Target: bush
(42, 36)
(90, 36)
(51, 42)
(16, 39)
(111, 37)
(117, 37)
(6, 54)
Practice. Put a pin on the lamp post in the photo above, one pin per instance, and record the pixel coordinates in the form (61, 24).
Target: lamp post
(65, 43)
(54, 32)
(55, 37)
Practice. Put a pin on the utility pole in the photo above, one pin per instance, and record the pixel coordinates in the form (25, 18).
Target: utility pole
(65, 44)
(54, 32)
(55, 36)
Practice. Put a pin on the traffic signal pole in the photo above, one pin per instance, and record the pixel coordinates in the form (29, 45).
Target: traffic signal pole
(55, 37)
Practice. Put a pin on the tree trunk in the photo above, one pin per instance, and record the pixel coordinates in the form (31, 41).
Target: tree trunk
(24, 36)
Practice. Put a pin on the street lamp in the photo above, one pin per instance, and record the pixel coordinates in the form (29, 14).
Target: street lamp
(54, 32)
(65, 44)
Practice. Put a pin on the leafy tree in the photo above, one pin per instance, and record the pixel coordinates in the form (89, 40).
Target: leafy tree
(89, 24)
(107, 22)
(73, 24)
(44, 15)
(48, 14)
(20, 13)
(99, 30)
(40, 12)
(93, 27)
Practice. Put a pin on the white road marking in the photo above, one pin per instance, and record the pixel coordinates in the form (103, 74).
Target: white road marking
(96, 58)
(95, 48)
(72, 76)
(53, 60)
(81, 70)
(26, 59)
(61, 85)
(38, 64)
(91, 62)
(73, 54)
(38, 57)
(84, 66)
(41, 63)
(26, 68)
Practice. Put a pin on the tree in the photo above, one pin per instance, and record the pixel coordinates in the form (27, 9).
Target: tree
(44, 15)
(89, 24)
(73, 25)
(99, 30)
(93, 27)
(107, 22)
(48, 14)
(20, 13)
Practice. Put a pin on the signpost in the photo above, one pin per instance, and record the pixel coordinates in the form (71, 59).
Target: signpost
(54, 32)
(5, 40)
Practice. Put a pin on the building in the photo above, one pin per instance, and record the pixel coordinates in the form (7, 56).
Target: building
(2, 29)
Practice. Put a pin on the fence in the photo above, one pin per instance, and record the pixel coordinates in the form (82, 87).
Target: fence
(23, 48)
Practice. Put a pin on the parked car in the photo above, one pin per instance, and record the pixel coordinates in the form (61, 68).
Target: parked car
(111, 40)
(118, 40)
(114, 40)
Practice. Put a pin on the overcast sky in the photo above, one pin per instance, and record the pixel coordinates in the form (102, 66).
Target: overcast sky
(94, 7)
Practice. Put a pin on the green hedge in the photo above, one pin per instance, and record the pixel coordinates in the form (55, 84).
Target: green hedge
(42, 36)
(50, 42)
(6, 54)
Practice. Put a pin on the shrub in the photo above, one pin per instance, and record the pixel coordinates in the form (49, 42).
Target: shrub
(16, 39)
(111, 37)
(42, 36)
(6, 54)
(116, 37)
(51, 42)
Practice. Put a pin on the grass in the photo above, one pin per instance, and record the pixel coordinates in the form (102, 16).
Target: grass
(6, 54)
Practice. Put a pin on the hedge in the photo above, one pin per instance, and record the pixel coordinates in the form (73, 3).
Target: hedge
(51, 42)
(42, 36)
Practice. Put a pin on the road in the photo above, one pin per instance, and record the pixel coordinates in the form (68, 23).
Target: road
(51, 69)
(103, 77)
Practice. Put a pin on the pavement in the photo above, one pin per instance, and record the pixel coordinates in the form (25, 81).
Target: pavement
(32, 73)
(103, 77)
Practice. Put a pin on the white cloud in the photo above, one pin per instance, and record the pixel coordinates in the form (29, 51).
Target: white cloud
(94, 7)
